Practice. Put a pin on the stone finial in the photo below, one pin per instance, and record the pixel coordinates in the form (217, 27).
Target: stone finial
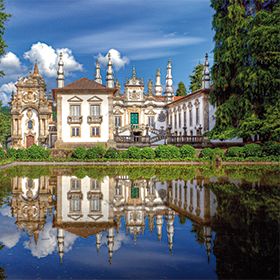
(98, 77)
(110, 75)
(60, 72)
(158, 86)
(206, 74)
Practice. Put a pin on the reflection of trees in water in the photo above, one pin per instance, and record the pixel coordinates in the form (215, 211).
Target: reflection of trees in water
(247, 232)
(199, 233)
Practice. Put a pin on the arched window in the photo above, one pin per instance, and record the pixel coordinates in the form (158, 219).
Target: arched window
(30, 124)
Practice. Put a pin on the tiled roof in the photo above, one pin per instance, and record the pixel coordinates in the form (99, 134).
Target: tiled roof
(178, 98)
(84, 83)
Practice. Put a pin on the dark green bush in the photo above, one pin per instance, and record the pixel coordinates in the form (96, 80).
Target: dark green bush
(2, 154)
(148, 153)
(80, 153)
(235, 152)
(123, 154)
(209, 153)
(252, 150)
(111, 153)
(167, 152)
(134, 152)
(271, 149)
(21, 154)
(96, 152)
(37, 152)
(187, 151)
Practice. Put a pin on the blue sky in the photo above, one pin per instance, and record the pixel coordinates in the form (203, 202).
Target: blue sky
(146, 34)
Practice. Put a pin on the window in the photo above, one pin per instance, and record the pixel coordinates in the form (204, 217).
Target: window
(175, 120)
(171, 121)
(95, 204)
(197, 115)
(75, 131)
(151, 121)
(118, 190)
(118, 121)
(95, 131)
(191, 122)
(179, 118)
(75, 110)
(134, 192)
(75, 203)
(185, 118)
(95, 110)
(30, 124)
(95, 185)
(75, 184)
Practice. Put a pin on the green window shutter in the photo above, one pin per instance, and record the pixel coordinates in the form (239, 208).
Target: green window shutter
(134, 192)
(134, 118)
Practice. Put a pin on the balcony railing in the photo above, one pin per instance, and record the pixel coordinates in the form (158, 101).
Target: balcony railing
(75, 119)
(94, 119)
(184, 139)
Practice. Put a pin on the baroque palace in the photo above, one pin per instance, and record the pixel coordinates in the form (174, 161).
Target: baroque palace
(86, 112)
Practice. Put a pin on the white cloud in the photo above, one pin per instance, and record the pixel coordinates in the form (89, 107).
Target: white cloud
(47, 242)
(11, 65)
(117, 59)
(119, 239)
(9, 233)
(47, 57)
(6, 92)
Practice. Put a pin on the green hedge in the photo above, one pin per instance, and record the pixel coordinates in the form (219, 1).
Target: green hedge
(209, 153)
(32, 153)
(252, 150)
(167, 152)
(187, 151)
(2, 154)
(235, 152)
(271, 149)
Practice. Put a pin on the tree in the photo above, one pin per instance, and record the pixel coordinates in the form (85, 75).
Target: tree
(3, 18)
(181, 91)
(245, 73)
(196, 78)
(5, 124)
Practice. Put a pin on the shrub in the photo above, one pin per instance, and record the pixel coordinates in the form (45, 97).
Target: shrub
(252, 150)
(21, 154)
(167, 152)
(235, 152)
(37, 152)
(271, 149)
(96, 152)
(148, 153)
(11, 153)
(134, 152)
(187, 151)
(209, 153)
(80, 153)
(2, 154)
(111, 153)
(123, 154)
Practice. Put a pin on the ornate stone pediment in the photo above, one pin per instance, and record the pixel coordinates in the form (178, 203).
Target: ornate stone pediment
(75, 99)
(151, 112)
(118, 112)
(95, 99)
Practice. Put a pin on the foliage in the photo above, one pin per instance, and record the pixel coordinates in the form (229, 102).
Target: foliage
(181, 91)
(187, 151)
(5, 124)
(3, 18)
(97, 151)
(208, 153)
(196, 78)
(148, 153)
(245, 73)
(167, 152)
(271, 149)
(235, 152)
(2, 154)
(37, 152)
(252, 150)
(134, 152)
(80, 153)
(111, 153)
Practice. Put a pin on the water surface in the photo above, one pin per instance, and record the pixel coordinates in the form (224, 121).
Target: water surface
(174, 222)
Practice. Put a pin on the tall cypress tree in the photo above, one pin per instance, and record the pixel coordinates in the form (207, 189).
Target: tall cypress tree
(181, 90)
(244, 74)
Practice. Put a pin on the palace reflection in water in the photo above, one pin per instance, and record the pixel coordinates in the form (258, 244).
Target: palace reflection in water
(88, 206)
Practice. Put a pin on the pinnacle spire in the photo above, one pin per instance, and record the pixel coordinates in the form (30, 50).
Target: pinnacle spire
(158, 86)
(36, 70)
(206, 74)
(98, 77)
(60, 72)
(169, 91)
(110, 74)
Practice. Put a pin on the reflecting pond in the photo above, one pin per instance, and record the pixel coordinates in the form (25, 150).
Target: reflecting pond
(158, 222)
